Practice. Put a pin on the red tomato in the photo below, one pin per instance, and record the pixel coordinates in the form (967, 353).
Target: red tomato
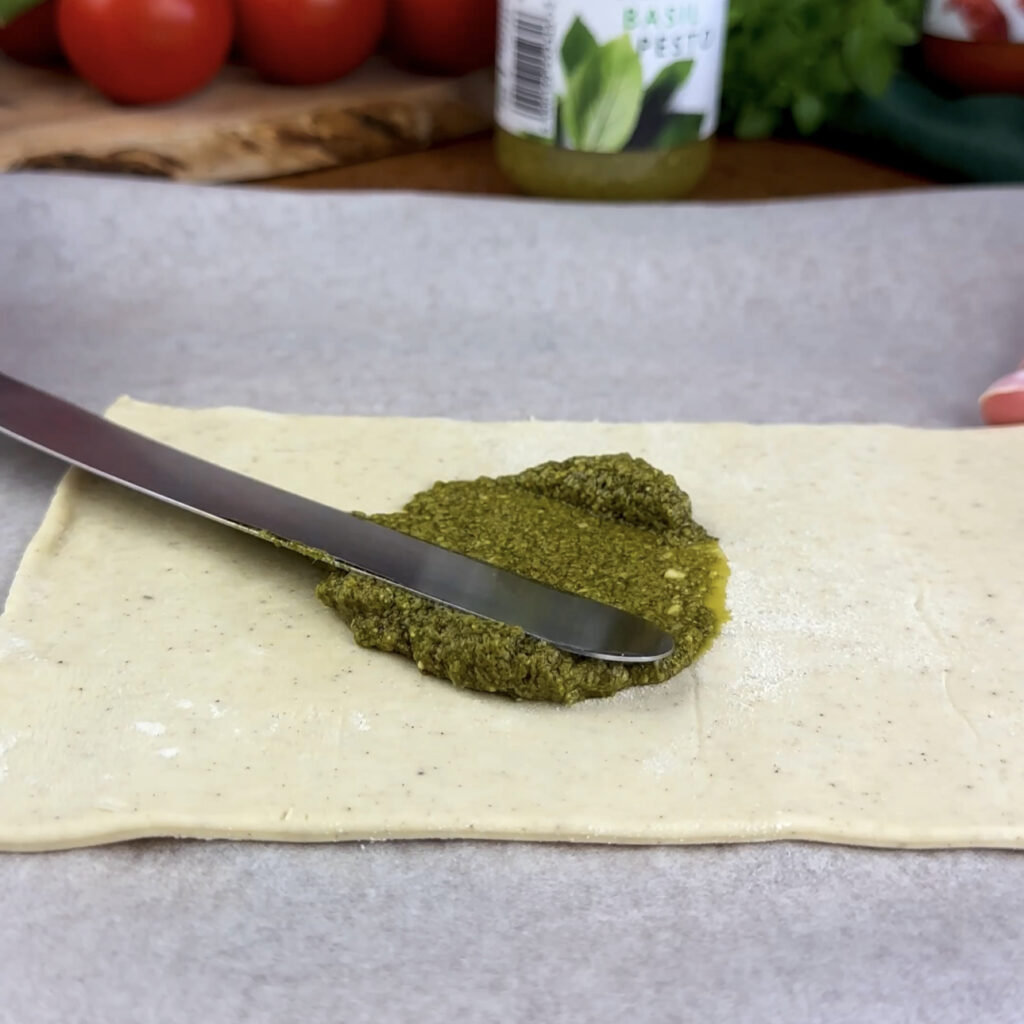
(985, 22)
(452, 37)
(32, 36)
(146, 51)
(1003, 401)
(306, 42)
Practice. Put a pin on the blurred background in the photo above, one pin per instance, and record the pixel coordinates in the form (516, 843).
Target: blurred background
(817, 96)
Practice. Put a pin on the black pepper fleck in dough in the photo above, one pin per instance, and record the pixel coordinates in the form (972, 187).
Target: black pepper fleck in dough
(609, 527)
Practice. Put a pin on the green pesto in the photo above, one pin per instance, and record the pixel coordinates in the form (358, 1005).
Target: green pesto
(313, 554)
(609, 527)
(643, 174)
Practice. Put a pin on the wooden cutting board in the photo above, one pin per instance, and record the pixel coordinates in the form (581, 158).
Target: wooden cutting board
(238, 128)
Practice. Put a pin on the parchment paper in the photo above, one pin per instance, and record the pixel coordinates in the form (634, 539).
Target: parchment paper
(897, 308)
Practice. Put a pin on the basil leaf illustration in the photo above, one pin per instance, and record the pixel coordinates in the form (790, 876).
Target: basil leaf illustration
(678, 129)
(602, 101)
(577, 45)
(667, 80)
(656, 100)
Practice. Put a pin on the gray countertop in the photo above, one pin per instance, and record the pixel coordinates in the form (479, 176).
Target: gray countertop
(898, 308)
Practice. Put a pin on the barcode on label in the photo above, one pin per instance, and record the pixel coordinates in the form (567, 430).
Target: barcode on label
(531, 42)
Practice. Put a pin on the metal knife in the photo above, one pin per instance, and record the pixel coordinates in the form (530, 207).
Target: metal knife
(95, 444)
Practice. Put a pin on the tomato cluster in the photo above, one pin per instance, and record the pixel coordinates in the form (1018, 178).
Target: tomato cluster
(155, 51)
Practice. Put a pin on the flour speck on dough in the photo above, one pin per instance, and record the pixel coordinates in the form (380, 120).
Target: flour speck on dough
(359, 722)
(151, 728)
(168, 752)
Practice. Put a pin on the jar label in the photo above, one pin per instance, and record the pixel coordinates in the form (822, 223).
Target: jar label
(604, 76)
(976, 21)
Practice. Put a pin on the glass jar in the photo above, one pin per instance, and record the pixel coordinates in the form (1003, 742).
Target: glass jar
(600, 99)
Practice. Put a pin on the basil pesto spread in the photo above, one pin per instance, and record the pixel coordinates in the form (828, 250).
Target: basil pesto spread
(608, 527)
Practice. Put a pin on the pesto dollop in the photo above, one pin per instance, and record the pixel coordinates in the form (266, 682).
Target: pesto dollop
(608, 527)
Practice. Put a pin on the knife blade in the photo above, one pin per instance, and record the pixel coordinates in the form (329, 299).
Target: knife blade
(95, 444)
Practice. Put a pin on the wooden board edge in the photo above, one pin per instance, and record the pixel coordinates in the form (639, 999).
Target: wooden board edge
(331, 134)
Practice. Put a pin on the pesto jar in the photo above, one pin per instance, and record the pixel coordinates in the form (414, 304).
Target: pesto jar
(604, 99)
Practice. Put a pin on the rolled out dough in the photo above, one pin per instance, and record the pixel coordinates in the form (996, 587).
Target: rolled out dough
(164, 676)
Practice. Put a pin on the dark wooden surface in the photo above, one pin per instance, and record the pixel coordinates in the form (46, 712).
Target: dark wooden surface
(740, 171)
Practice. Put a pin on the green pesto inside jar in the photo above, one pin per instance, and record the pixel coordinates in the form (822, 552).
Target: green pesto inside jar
(608, 527)
(541, 169)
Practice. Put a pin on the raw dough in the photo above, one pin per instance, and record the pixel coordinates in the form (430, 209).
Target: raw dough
(161, 675)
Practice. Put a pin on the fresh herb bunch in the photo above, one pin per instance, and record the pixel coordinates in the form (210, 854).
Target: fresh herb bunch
(792, 62)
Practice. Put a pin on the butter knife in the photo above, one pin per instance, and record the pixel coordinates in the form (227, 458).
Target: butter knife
(95, 444)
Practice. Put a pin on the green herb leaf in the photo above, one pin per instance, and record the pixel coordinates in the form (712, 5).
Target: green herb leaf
(870, 66)
(678, 130)
(833, 77)
(903, 34)
(808, 113)
(11, 9)
(756, 122)
(602, 101)
(656, 100)
(577, 46)
(887, 25)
